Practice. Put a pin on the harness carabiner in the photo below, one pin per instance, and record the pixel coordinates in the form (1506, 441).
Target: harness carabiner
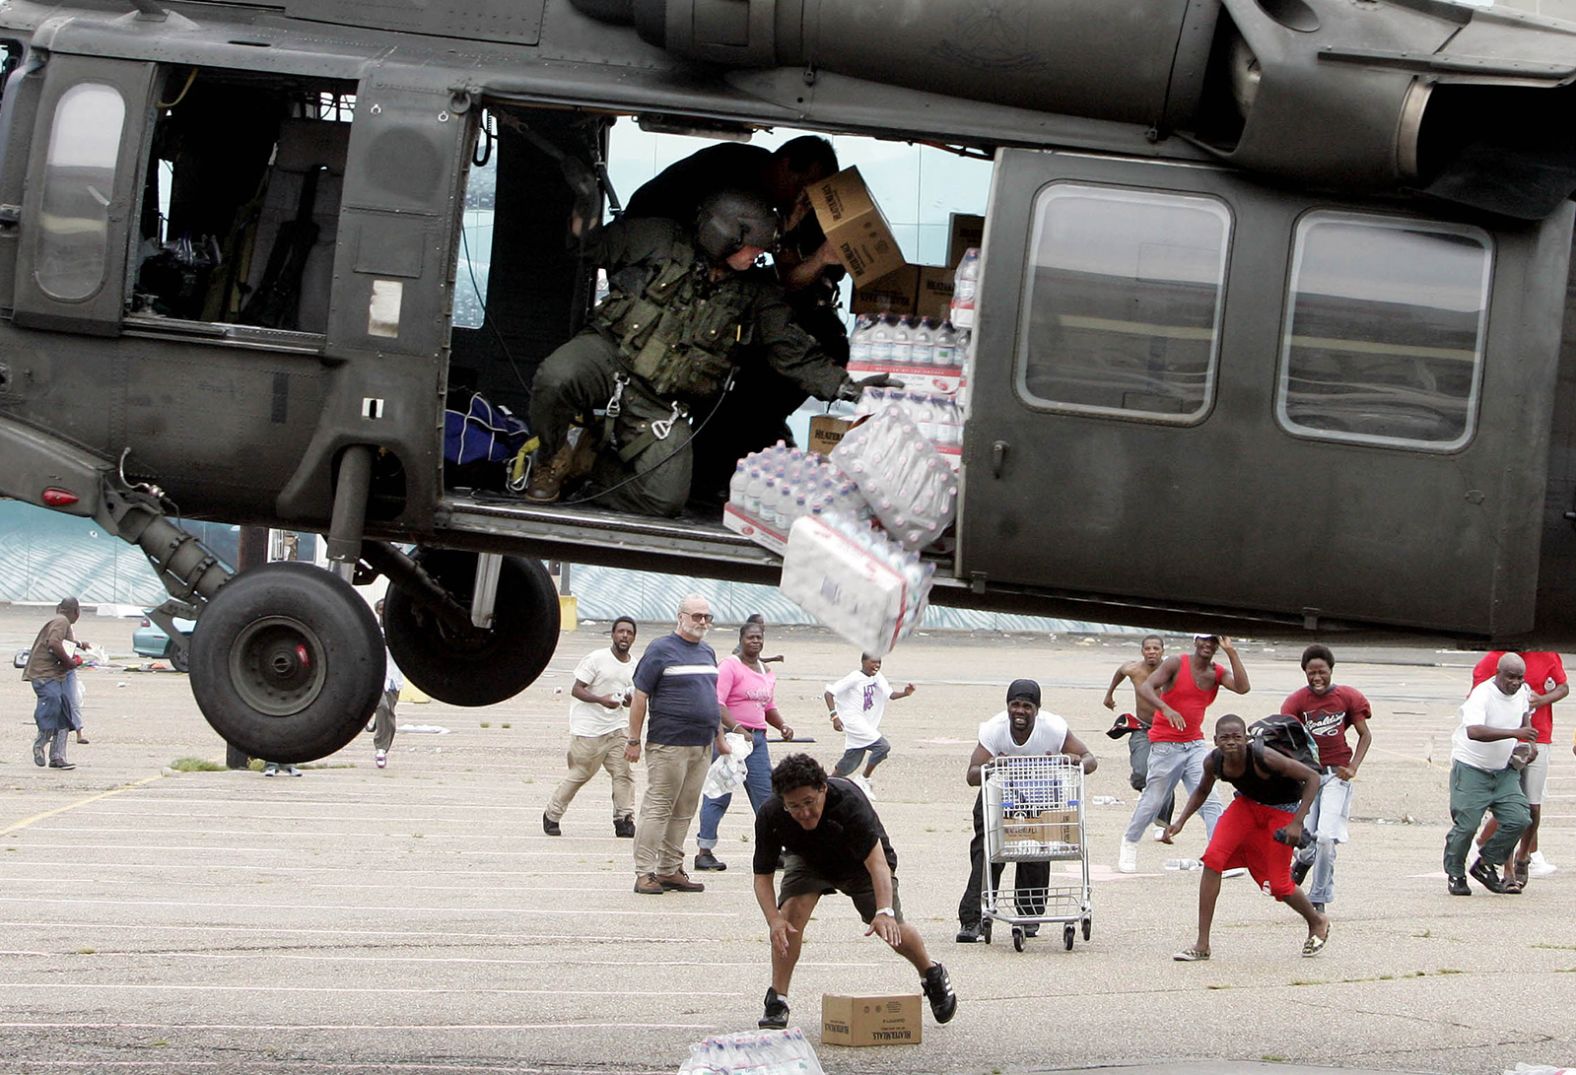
(662, 427)
(615, 406)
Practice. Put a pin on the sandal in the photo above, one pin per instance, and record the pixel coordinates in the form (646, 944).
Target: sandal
(1512, 887)
(1190, 954)
(1314, 945)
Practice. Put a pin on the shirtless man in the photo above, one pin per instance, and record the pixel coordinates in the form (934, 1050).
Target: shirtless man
(1180, 691)
(1136, 725)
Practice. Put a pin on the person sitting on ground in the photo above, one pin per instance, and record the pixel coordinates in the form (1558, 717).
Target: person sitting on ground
(1021, 730)
(856, 704)
(1259, 830)
(832, 841)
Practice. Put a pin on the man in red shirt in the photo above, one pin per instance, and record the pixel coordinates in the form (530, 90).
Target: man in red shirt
(1328, 709)
(1180, 691)
(1546, 681)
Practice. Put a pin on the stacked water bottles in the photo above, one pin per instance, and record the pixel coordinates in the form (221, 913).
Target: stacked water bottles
(760, 1052)
(772, 488)
(927, 358)
(907, 485)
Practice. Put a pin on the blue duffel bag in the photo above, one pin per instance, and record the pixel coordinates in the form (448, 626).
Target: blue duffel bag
(482, 433)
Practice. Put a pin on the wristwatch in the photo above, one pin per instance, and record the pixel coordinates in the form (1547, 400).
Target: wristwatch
(886, 911)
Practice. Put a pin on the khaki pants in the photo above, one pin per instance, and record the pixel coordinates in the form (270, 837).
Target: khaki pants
(674, 776)
(587, 754)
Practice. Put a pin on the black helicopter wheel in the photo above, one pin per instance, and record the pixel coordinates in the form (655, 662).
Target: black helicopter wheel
(287, 663)
(474, 666)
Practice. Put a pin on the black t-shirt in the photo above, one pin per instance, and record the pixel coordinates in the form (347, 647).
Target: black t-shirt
(836, 847)
(1257, 782)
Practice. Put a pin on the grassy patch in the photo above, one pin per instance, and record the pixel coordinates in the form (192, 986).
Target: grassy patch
(486, 724)
(196, 765)
(506, 725)
(84, 951)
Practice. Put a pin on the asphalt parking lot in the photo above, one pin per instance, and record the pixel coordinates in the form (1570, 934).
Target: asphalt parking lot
(416, 919)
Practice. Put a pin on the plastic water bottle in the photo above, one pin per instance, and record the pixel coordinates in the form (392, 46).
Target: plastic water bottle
(903, 343)
(881, 341)
(754, 488)
(965, 284)
(1184, 864)
(944, 346)
(859, 339)
(922, 346)
(738, 483)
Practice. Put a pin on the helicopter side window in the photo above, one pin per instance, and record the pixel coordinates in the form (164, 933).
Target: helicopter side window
(1124, 291)
(1383, 341)
(84, 149)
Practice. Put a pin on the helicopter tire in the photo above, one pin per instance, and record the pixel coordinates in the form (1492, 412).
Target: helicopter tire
(482, 666)
(288, 663)
(180, 659)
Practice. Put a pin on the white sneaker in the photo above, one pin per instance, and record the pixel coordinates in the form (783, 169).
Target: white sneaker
(1540, 866)
(863, 783)
(289, 770)
(1160, 834)
(381, 758)
(1235, 871)
(1127, 857)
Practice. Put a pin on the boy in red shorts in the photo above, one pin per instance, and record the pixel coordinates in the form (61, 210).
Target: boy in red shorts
(1274, 794)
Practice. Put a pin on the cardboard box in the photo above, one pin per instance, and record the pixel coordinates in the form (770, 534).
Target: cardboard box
(1047, 826)
(856, 226)
(826, 431)
(870, 1020)
(757, 531)
(933, 295)
(895, 293)
(967, 230)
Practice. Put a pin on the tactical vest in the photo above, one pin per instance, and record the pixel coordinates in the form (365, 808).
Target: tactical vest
(676, 330)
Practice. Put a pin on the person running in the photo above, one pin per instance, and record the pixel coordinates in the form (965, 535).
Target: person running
(832, 841)
(1136, 725)
(1546, 683)
(1496, 719)
(856, 703)
(747, 692)
(1021, 730)
(384, 721)
(50, 661)
(598, 718)
(1258, 830)
(1180, 691)
(1328, 709)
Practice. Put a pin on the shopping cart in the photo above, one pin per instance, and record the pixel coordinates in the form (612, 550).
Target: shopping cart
(1033, 817)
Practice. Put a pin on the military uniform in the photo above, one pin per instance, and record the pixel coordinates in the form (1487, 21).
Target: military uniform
(664, 344)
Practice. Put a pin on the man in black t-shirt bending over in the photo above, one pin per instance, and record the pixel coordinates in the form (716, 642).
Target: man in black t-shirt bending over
(833, 842)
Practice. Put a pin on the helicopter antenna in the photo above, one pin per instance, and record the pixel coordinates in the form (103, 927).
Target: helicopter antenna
(148, 9)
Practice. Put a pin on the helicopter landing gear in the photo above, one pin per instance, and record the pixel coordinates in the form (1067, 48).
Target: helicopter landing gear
(442, 651)
(287, 663)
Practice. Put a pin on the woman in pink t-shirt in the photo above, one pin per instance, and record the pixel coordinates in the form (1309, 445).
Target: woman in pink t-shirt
(749, 692)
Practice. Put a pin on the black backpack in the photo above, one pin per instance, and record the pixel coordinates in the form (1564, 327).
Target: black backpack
(1289, 736)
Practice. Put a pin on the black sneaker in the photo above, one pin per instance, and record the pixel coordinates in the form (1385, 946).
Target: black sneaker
(1299, 871)
(1319, 907)
(938, 990)
(707, 861)
(1457, 886)
(624, 827)
(1487, 876)
(550, 826)
(775, 1017)
(970, 935)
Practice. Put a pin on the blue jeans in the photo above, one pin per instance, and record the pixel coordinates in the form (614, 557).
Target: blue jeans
(757, 785)
(1327, 818)
(52, 717)
(1170, 763)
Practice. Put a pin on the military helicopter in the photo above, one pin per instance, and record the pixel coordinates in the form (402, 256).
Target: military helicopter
(1272, 306)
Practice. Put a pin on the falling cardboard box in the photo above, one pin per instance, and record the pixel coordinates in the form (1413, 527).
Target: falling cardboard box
(870, 1020)
(855, 225)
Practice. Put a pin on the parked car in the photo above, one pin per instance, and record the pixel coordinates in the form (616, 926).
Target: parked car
(149, 640)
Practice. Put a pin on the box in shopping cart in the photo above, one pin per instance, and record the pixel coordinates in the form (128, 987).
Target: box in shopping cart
(892, 1019)
(1044, 826)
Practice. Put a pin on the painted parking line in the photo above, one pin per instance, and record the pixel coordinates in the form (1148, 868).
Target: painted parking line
(360, 908)
(293, 867)
(530, 890)
(255, 1064)
(27, 822)
(553, 961)
(57, 986)
(209, 849)
(79, 926)
(376, 1027)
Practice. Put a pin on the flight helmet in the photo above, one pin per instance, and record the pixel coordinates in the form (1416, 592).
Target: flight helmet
(731, 219)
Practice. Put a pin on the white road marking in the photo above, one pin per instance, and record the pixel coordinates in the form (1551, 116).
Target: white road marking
(209, 987)
(78, 926)
(57, 901)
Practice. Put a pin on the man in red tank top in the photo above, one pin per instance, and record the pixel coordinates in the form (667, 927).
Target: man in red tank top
(1180, 690)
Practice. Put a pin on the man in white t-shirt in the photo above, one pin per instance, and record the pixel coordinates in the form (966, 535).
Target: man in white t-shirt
(598, 717)
(1020, 730)
(856, 704)
(1495, 719)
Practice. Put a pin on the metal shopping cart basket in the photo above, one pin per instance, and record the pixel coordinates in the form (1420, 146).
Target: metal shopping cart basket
(1033, 810)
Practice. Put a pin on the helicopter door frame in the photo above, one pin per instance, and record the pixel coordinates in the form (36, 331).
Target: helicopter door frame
(1148, 420)
(64, 279)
